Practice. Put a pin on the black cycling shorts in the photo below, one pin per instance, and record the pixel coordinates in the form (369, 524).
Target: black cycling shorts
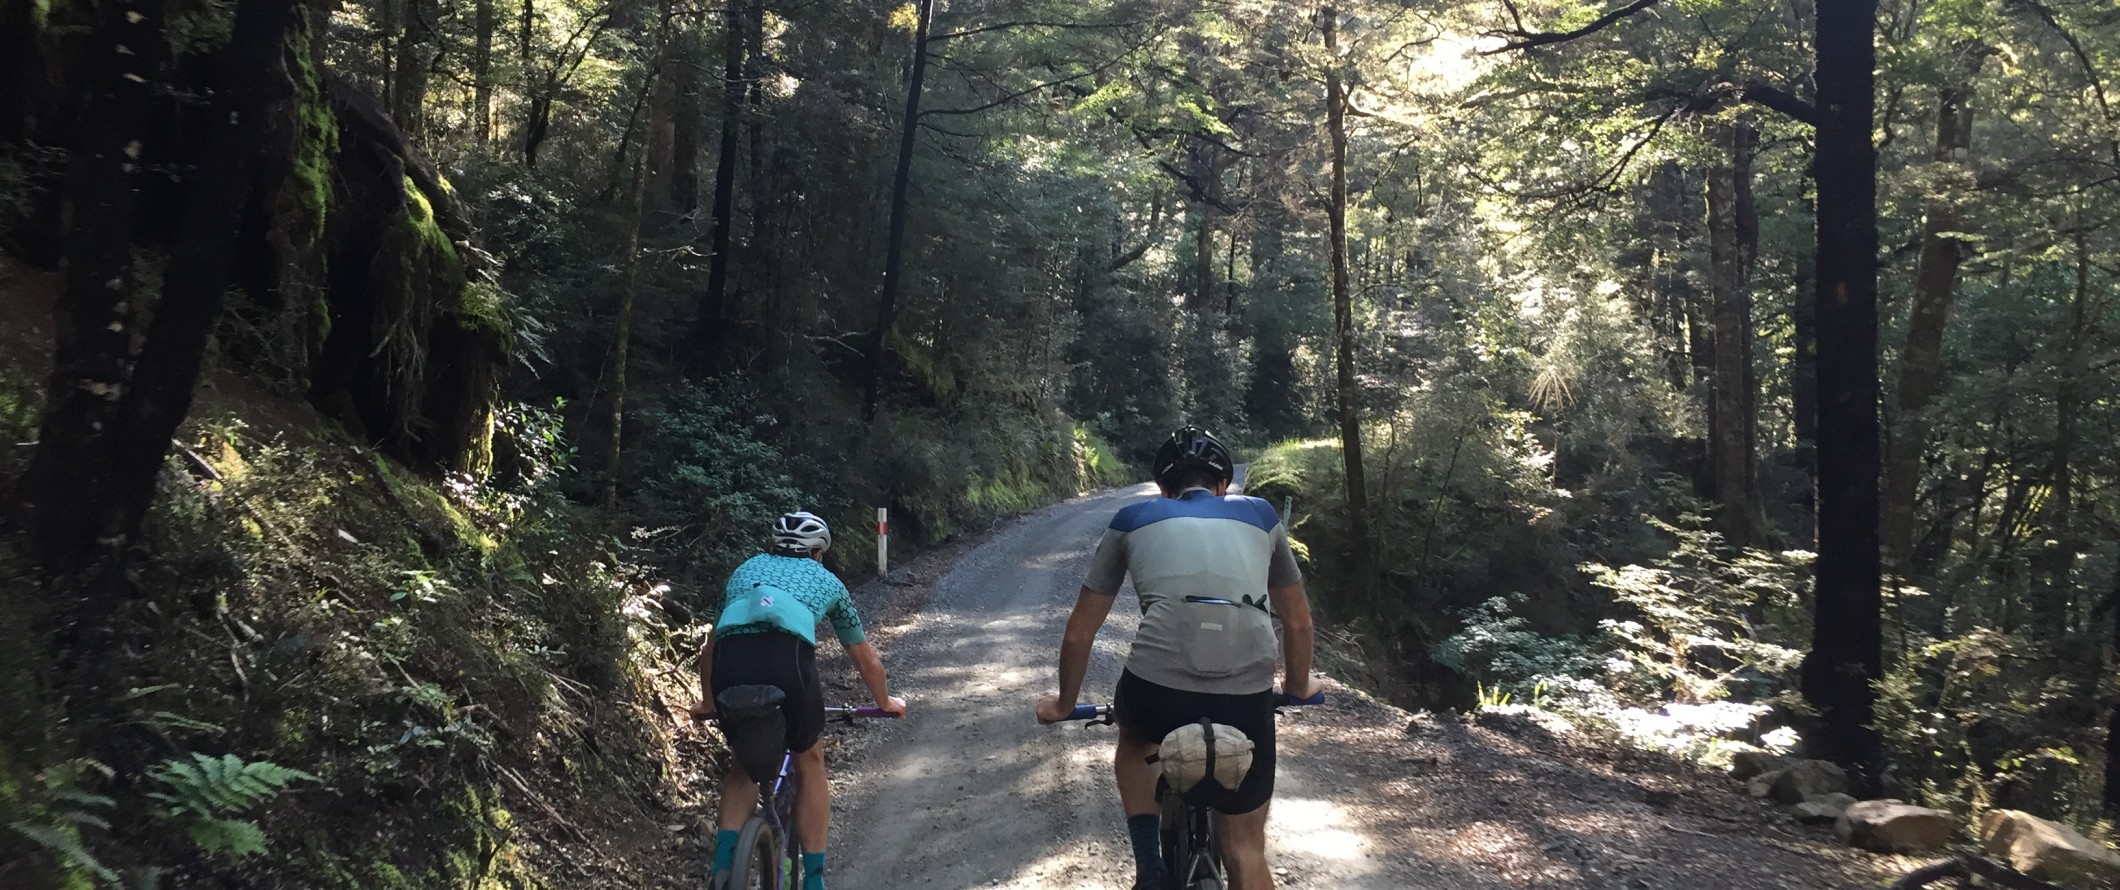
(1146, 712)
(772, 658)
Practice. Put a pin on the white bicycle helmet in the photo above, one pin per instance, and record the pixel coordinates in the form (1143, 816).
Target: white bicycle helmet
(801, 531)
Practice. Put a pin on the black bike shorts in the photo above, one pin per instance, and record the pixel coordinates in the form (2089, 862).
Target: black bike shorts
(1146, 712)
(771, 658)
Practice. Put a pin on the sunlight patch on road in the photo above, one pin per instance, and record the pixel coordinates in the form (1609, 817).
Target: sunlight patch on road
(1312, 827)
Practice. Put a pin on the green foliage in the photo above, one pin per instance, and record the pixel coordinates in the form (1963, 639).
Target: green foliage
(55, 814)
(710, 478)
(1705, 622)
(204, 794)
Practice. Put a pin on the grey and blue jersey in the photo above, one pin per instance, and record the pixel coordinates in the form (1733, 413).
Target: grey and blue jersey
(770, 592)
(1201, 565)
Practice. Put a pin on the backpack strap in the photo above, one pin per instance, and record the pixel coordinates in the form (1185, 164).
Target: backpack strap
(1207, 734)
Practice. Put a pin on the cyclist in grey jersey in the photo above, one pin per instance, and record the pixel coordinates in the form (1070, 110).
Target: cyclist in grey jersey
(1206, 565)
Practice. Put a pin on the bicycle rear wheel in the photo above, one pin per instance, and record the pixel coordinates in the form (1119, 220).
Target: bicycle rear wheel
(1188, 864)
(759, 863)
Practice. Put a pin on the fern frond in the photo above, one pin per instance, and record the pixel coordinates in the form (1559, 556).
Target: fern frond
(66, 846)
(229, 837)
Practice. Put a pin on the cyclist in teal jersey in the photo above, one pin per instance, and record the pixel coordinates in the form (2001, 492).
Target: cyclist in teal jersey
(767, 636)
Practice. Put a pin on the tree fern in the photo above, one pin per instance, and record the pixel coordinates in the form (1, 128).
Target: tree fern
(207, 793)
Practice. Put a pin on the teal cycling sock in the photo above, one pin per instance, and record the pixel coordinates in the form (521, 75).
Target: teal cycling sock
(1147, 833)
(813, 871)
(724, 850)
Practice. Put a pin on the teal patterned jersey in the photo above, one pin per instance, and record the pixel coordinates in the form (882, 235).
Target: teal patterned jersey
(812, 585)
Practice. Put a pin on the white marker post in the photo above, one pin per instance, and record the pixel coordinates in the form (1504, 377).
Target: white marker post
(883, 542)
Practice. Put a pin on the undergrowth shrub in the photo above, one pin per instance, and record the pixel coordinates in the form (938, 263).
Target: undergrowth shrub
(1704, 646)
(705, 484)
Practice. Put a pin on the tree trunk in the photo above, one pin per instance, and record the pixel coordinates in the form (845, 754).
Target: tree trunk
(408, 85)
(681, 71)
(107, 428)
(1847, 641)
(1921, 362)
(894, 254)
(92, 343)
(1343, 314)
(1732, 239)
(732, 87)
(622, 339)
(755, 83)
(482, 73)
(1803, 364)
(2052, 605)
(2111, 796)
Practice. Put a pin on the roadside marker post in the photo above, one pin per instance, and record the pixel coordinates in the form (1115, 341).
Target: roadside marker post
(883, 542)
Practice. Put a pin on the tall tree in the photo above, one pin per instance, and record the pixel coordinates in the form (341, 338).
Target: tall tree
(1943, 249)
(723, 224)
(482, 72)
(1733, 234)
(894, 250)
(1847, 642)
(1343, 308)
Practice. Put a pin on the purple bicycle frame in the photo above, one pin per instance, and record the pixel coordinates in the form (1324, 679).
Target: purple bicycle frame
(778, 808)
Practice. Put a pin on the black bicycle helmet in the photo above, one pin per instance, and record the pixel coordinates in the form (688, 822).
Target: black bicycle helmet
(1194, 447)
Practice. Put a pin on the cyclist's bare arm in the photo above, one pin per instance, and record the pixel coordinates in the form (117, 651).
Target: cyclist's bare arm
(1293, 606)
(1091, 608)
(872, 676)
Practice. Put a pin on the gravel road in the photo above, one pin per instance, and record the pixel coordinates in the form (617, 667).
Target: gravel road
(971, 792)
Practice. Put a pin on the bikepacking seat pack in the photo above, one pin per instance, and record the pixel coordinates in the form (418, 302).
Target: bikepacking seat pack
(756, 728)
(772, 607)
(1204, 761)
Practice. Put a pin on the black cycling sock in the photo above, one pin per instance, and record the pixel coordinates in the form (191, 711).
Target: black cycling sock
(1147, 833)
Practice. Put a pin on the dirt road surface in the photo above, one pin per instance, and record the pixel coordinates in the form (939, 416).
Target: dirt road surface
(971, 792)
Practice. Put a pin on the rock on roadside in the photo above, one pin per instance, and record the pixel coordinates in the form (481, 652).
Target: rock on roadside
(1807, 779)
(1824, 809)
(2048, 850)
(1748, 764)
(1888, 826)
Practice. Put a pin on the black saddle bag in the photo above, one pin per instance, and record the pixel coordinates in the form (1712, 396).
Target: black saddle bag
(756, 727)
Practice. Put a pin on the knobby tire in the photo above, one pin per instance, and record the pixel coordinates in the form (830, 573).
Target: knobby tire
(759, 864)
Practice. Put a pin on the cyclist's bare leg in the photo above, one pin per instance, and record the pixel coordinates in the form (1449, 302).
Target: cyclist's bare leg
(739, 797)
(1137, 777)
(813, 799)
(1244, 849)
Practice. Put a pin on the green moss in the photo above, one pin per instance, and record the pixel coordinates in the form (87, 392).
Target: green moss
(481, 310)
(420, 215)
(307, 190)
(438, 509)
